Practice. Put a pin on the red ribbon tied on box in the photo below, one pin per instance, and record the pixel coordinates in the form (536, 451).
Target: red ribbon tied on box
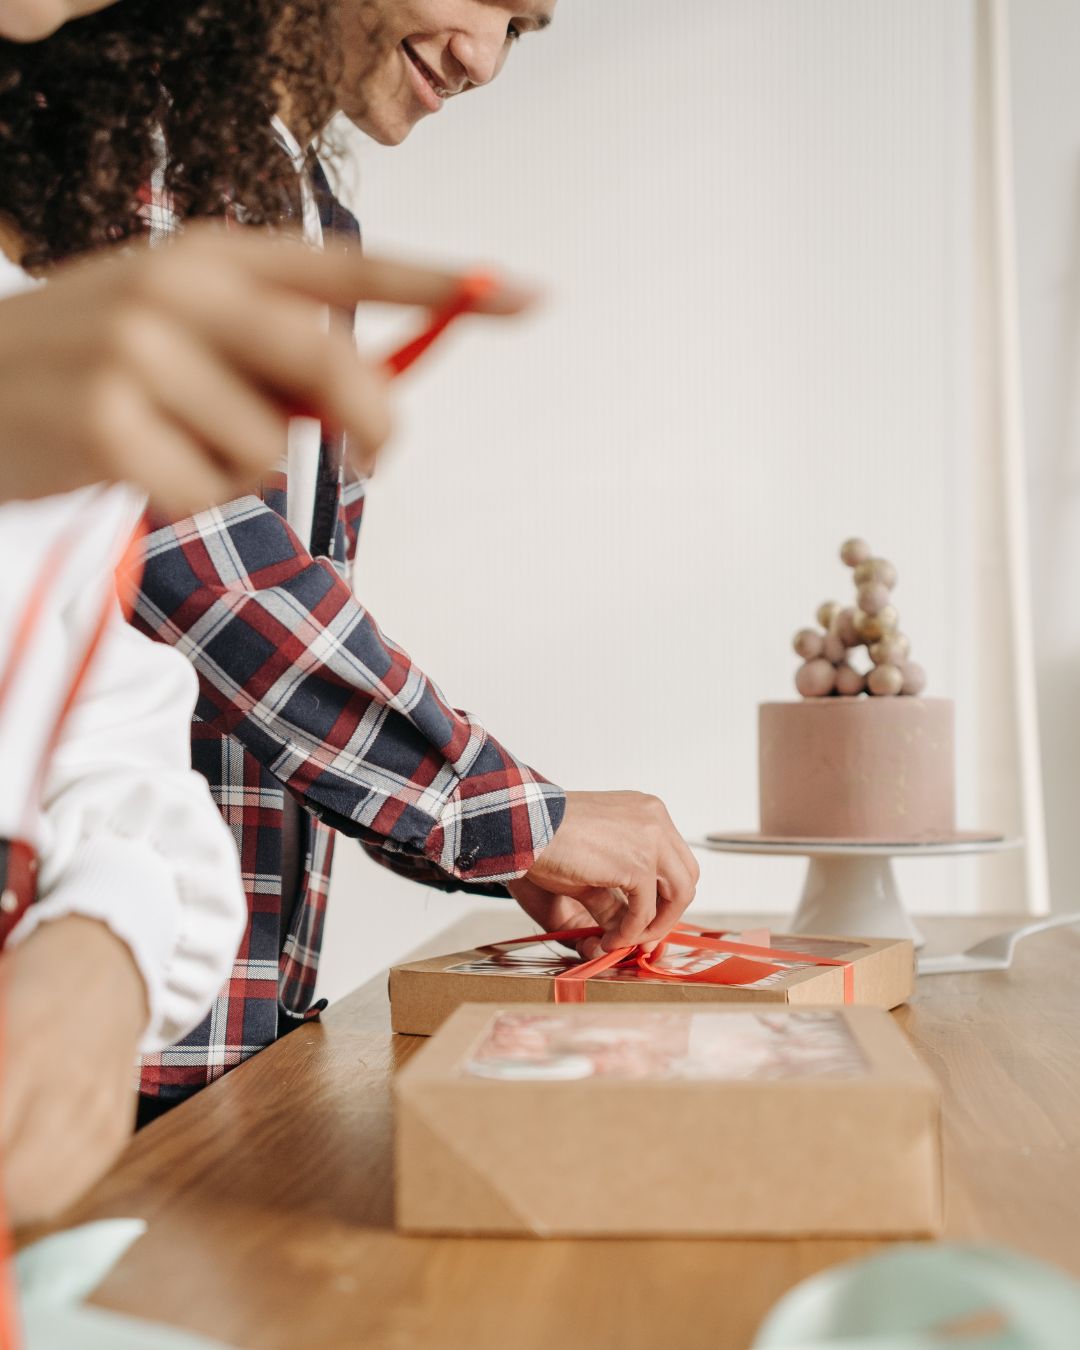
(746, 962)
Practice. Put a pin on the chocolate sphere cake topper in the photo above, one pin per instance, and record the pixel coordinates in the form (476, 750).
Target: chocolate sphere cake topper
(872, 623)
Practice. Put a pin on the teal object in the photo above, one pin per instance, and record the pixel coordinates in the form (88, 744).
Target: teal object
(55, 1275)
(910, 1297)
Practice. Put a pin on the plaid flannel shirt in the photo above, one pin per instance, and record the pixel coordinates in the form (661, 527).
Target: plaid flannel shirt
(299, 690)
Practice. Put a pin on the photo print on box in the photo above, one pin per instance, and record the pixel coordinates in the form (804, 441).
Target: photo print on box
(643, 1043)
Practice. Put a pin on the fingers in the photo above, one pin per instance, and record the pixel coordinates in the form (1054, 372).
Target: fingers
(364, 412)
(286, 346)
(630, 925)
(337, 275)
(565, 914)
(219, 409)
(388, 282)
(654, 905)
(590, 948)
(624, 845)
(676, 885)
(598, 907)
(551, 912)
(179, 475)
(655, 901)
(610, 908)
(607, 907)
(676, 876)
(229, 334)
(659, 893)
(686, 853)
(556, 913)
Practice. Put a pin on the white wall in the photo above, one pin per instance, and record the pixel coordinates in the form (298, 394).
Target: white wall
(1046, 114)
(599, 529)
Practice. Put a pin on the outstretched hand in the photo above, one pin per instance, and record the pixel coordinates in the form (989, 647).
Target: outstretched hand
(176, 368)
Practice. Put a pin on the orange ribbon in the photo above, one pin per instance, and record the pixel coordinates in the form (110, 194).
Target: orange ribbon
(746, 963)
(471, 292)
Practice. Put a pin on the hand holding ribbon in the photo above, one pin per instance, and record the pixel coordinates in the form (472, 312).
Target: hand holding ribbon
(617, 860)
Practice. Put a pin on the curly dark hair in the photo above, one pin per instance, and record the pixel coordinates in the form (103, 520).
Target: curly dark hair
(82, 114)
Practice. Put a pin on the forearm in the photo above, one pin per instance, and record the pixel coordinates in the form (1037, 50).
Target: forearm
(481, 820)
(293, 666)
(66, 1108)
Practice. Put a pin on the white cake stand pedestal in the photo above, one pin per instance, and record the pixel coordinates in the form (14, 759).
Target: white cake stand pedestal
(850, 889)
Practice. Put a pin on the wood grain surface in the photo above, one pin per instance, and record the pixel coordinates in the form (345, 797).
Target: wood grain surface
(269, 1196)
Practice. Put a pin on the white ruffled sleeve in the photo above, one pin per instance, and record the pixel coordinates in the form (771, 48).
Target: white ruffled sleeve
(131, 836)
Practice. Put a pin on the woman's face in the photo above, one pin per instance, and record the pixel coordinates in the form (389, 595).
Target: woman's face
(403, 59)
(29, 20)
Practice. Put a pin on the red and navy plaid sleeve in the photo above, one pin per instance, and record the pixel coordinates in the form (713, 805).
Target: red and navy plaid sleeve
(293, 666)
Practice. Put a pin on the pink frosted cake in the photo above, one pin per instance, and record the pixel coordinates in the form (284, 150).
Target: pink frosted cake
(864, 756)
(857, 769)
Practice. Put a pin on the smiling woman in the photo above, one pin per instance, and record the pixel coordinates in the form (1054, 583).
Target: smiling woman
(426, 52)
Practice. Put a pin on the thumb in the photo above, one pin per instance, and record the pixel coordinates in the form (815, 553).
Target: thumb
(608, 907)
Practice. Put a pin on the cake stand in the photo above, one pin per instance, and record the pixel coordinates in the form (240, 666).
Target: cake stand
(850, 889)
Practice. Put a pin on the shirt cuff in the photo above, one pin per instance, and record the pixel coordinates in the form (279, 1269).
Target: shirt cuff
(495, 832)
(131, 889)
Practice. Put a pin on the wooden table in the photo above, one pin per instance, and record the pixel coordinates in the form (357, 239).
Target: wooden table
(269, 1195)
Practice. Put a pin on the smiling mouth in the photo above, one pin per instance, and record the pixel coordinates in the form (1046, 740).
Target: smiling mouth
(430, 79)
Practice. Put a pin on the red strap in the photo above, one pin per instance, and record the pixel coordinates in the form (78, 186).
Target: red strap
(747, 962)
(570, 986)
(473, 290)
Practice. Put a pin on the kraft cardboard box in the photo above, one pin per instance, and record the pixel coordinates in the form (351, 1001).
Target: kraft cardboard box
(423, 994)
(668, 1119)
